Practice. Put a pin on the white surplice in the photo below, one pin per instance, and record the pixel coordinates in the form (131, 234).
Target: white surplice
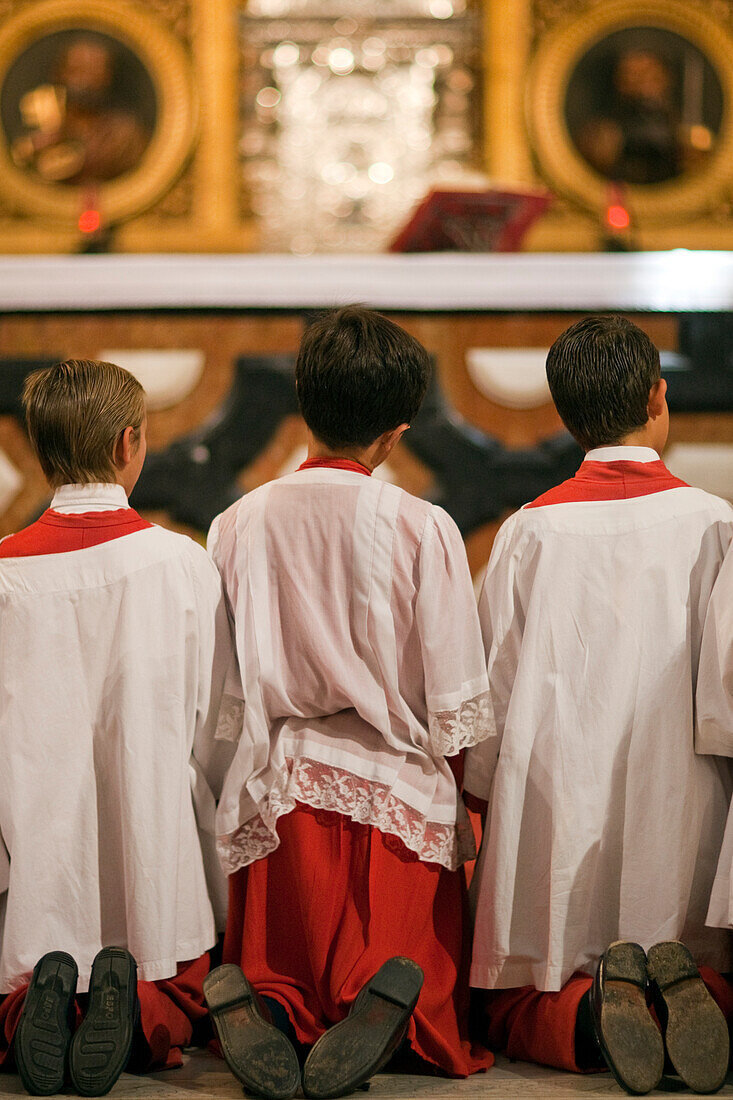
(112, 660)
(715, 720)
(603, 822)
(361, 662)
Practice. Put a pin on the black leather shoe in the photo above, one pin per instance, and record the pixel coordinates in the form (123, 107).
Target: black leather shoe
(695, 1031)
(259, 1055)
(354, 1050)
(629, 1039)
(46, 1023)
(101, 1047)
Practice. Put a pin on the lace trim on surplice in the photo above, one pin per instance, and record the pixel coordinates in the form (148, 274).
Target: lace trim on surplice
(469, 724)
(326, 787)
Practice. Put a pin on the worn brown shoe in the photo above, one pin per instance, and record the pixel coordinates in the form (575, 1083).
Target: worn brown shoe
(258, 1055)
(355, 1049)
(695, 1031)
(629, 1039)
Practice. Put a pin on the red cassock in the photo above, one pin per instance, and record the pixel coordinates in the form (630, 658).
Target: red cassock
(312, 922)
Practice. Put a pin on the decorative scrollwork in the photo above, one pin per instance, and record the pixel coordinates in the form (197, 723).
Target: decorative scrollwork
(175, 13)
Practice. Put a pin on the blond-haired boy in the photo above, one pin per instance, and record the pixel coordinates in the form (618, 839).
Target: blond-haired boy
(112, 635)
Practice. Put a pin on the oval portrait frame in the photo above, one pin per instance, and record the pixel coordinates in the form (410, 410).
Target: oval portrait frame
(561, 163)
(170, 145)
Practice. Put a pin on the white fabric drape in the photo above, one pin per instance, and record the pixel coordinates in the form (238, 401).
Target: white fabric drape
(714, 732)
(360, 657)
(603, 822)
(112, 661)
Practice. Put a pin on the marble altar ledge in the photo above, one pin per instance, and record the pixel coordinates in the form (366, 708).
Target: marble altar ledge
(204, 1077)
(674, 281)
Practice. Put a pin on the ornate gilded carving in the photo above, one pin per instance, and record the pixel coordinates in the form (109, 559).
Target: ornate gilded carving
(546, 13)
(175, 13)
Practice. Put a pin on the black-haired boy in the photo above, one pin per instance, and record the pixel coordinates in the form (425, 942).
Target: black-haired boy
(603, 824)
(362, 670)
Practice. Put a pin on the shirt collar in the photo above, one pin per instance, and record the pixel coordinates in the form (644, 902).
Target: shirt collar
(93, 497)
(622, 454)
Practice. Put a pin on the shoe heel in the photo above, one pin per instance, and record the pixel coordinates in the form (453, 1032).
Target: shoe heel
(626, 962)
(398, 981)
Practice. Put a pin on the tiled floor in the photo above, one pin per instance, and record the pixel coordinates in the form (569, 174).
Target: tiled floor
(205, 1077)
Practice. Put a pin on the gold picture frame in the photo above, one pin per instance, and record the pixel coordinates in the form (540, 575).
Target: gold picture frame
(561, 163)
(167, 65)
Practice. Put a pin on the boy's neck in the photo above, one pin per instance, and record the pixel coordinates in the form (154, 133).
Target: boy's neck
(644, 437)
(368, 457)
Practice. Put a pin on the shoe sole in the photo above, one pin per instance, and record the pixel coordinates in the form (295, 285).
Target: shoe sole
(697, 1035)
(259, 1055)
(101, 1046)
(358, 1047)
(629, 1039)
(44, 1032)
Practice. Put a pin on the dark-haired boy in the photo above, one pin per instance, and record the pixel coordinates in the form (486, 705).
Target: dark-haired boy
(362, 670)
(113, 644)
(603, 824)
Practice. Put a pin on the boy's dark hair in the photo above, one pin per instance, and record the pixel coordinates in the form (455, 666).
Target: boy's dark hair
(358, 375)
(600, 372)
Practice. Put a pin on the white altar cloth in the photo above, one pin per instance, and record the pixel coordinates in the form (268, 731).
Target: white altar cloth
(675, 281)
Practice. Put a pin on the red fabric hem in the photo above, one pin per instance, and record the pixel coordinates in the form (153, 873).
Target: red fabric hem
(475, 1055)
(532, 1025)
(169, 1008)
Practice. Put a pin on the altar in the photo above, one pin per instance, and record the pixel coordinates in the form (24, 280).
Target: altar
(213, 337)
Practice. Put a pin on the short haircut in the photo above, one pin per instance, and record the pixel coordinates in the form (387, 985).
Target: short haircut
(75, 412)
(359, 375)
(600, 372)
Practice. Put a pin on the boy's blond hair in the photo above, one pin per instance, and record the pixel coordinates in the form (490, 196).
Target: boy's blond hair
(75, 412)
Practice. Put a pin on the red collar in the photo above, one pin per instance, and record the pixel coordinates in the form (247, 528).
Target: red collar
(113, 518)
(335, 464)
(58, 532)
(611, 481)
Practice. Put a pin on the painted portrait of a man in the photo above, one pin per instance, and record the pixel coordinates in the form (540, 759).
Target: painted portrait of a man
(78, 107)
(644, 106)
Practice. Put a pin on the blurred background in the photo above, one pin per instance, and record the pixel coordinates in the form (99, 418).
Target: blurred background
(284, 132)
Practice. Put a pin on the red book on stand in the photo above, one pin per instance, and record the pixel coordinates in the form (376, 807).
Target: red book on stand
(471, 221)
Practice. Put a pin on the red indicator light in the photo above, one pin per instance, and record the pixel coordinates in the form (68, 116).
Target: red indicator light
(617, 217)
(89, 221)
